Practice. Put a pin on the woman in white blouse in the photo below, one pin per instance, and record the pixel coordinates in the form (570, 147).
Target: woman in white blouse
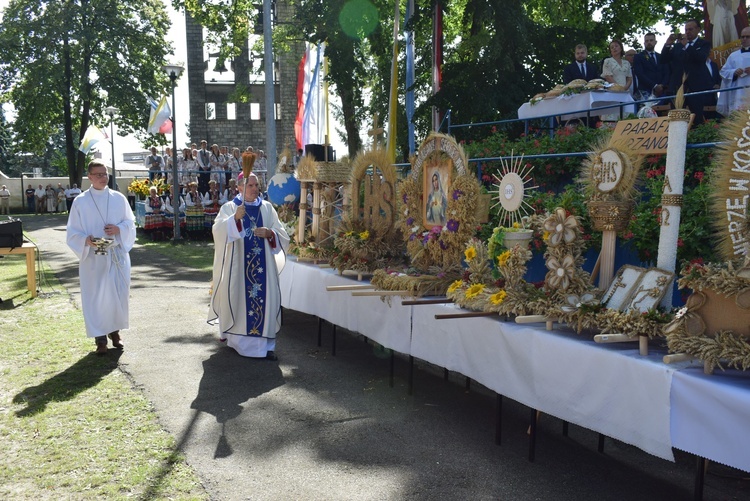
(616, 70)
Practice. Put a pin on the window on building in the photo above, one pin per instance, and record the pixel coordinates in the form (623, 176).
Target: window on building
(231, 111)
(254, 111)
(210, 111)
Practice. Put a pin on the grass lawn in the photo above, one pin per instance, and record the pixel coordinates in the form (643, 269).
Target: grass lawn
(72, 426)
(195, 254)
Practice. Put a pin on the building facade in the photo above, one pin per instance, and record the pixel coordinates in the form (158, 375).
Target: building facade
(227, 102)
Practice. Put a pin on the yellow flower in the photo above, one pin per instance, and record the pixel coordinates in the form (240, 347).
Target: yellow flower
(516, 225)
(474, 290)
(455, 285)
(545, 235)
(364, 235)
(470, 254)
(503, 258)
(498, 297)
(348, 233)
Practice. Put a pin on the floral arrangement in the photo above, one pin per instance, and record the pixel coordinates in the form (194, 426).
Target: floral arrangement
(362, 249)
(142, 187)
(434, 253)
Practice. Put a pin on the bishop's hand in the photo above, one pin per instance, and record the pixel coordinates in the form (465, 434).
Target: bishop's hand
(240, 213)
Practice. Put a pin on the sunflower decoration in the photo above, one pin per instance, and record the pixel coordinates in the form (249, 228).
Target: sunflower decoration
(436, 215)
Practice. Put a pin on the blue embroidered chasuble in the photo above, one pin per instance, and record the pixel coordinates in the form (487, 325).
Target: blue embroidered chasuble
(255, 270)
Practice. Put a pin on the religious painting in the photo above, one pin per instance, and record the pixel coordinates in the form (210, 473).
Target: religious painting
(435, 181)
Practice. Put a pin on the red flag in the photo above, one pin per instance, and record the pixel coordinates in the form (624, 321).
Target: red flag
(166, 127)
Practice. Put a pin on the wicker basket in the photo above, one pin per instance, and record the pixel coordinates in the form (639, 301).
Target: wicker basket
(608, 215)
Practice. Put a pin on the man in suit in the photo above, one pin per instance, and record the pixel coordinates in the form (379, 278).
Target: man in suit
(580, 68)
(650, 76)
(689, 57)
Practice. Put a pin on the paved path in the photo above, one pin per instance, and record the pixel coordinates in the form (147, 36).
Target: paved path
(315, 426)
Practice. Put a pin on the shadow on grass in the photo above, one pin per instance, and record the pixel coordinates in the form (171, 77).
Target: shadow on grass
(84, 374)
(8, 303)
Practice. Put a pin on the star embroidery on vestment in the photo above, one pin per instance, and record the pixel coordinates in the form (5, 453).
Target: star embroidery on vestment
(260, 269)
(256, 250)
(250, 313)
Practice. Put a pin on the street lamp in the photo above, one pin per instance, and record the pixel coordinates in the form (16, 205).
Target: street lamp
(174, 71)
(110, 111)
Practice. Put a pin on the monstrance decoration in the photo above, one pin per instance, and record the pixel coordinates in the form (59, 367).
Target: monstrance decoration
(510, 195)
(511, 191)
(368, 238)
(437, 216)
(608, 176)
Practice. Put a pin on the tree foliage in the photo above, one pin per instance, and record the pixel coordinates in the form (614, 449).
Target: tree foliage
(63, 61)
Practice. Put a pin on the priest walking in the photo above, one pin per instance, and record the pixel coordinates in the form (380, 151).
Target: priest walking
(250, 244)
(101, 213)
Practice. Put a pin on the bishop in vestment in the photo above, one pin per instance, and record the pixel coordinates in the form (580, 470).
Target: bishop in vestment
(101, 213)
(249, 253)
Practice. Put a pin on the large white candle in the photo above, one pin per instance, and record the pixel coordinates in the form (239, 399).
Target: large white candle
(671, 199)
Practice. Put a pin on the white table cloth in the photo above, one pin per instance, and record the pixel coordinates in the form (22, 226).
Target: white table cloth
(606, 388)
(303, 288)
(711, 415)
(576, 105)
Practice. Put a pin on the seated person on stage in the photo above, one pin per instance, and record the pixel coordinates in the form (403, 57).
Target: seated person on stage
(735, 73)
(213, 197)
(250, 244)
(580, 68)
(231, 191)
(169, 208)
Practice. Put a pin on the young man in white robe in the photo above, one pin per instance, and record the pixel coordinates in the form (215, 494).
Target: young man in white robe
(736, 73)
(250, 244)
(105, 277)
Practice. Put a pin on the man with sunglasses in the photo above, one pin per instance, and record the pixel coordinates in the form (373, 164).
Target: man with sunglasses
(101, 232)
(735, 73)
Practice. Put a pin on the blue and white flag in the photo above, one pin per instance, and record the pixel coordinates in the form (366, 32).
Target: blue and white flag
(160, 113)
(92, 136)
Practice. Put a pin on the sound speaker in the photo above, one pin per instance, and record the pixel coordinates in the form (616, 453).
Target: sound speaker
(318, 152)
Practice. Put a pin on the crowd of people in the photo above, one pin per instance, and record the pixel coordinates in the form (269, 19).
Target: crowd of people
(201, 165)
(649, 74)
(49, 200)
(208, 178)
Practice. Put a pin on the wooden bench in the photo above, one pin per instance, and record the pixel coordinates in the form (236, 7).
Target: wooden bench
(30, 250)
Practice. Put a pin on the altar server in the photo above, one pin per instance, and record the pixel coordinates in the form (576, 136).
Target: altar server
(104, 272)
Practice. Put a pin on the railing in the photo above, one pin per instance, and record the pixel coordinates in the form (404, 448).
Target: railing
(588, 111)
(551, 118)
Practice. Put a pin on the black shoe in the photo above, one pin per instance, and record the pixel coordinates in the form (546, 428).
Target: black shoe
(116, 341)
(272, 356)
